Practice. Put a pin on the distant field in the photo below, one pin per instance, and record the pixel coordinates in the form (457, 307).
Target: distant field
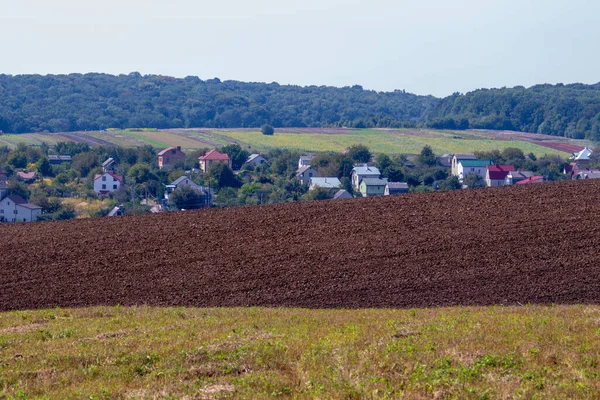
(255, 353)
(407, 141)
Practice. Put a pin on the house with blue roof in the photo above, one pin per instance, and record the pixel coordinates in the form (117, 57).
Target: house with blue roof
(362, 171)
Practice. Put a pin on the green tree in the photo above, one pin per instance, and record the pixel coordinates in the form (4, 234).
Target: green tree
(360, 153)
(237, 154)
(473, 180)
(267, 129)
(186, 198)
(141, 173)
(451, 183)
(17, 189)
(17, 160)
(44, 167)
(222, 176)
(83, 163)
(382, 161)
(427, 157)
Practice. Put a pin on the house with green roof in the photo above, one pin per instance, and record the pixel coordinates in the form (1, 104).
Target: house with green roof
(465, 167)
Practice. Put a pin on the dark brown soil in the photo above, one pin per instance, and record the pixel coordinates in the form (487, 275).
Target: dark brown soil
(529, 244)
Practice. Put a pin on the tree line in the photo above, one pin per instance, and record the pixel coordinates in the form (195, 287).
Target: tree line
(61, 103)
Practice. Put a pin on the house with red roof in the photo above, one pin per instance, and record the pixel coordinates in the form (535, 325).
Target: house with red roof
(212, 157)
(531, 179)
(495, 174)
(27, 177)
(107, 182)
(171, 156)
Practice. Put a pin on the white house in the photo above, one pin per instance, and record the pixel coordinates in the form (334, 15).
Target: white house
(107, 182)
(256, 159)
(466, 167)
(16, 209)
(362, 171)
(583, 155)
(456, 160)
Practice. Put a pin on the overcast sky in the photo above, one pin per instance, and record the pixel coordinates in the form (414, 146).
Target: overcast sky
(426, 47)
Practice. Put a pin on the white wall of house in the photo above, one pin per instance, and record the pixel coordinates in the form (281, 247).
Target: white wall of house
(464, 171)
(11, 212)
(105, 182)
(8, 209)
(25, 214)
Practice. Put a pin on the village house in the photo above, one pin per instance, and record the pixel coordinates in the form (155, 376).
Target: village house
(516, 176)
(457, 158)
(372, 186)
(256, 159)
(304, 161)
(305, 173)
(395, 188)
(466, 167)
(495, 174)
(57, 159)
(182, 181)
(27, 177)
(107, 182)
(583, 155)
(342, 194)
(445, 160)
(531, 179)
(212, 157)
(363, 171)
(110, 165)
(168, 158)
(16, 209)
(325, 183)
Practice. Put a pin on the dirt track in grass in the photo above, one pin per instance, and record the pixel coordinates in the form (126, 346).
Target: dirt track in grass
(509, 245)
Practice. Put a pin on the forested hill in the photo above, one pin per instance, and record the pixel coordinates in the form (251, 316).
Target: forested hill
(33, 103)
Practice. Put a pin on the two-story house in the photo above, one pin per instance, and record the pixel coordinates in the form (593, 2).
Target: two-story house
(362, 171)
(16, 209)
(212, 157)
(107, 182)
(305, 173)
(168, 158)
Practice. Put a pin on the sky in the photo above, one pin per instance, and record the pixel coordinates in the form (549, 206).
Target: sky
(435, 47)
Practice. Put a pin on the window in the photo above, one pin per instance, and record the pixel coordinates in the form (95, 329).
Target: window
(173, 151)
(8, 203)
(1, 211)
(115, 187)
(103, 186)
(104, 179)
(15, 211)
(114, 179)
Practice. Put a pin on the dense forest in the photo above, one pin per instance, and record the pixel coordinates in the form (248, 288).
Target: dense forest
(56, 103)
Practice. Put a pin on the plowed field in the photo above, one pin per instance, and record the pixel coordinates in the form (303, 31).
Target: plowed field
(510, 245)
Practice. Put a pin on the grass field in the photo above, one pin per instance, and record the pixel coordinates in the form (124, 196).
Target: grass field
(399, 141)
(139, 352)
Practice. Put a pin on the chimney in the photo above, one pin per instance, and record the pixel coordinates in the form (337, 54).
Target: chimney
(203, 153)
(178, 148)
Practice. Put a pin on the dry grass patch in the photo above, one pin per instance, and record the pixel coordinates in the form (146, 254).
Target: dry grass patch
(180, 353)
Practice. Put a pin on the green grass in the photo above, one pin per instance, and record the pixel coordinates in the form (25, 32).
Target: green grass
(141, 352)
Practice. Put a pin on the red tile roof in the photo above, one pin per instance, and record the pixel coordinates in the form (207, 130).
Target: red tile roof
(531, 179)
(214, 155)
(117, 177)
(165, 151)
(499, 171)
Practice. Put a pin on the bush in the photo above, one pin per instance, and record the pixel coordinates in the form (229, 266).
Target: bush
(267, 129)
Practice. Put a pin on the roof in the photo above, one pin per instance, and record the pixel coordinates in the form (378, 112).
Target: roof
(165, 151)
(590, 175)
(59, 158)
(583, 154)
(181, 179)
(364, 169)
(307, 158)
(327, 182)
(444, 160)
(499, 171)
(374, 181)
(465, 156)
(397, 185)
(253, 157)
(16, 199)
(26, 175)
(303, 169)
(531, 179)
(214, 155)
(29, 206)
(474, 163)
(115, 211)
(108, 162)
(342, 194)
(117, 177)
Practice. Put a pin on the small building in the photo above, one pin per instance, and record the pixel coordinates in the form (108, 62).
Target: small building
(372, 187)
(107, 182)
(325, 183)
(586, 173)
(58, 159)
(118, 211)
(516, 176)
(256, 159)
(110, 165)
(495, 174)
(457, 158)
(531, 179)
(213, 156)
(27, 177)
(16, 209)
(445, 160)
(395, 188)
(168, 158)
(363, 171)
(466, 167)
(583, 155)
(304, 161)
(342, 194)
(305, 173)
